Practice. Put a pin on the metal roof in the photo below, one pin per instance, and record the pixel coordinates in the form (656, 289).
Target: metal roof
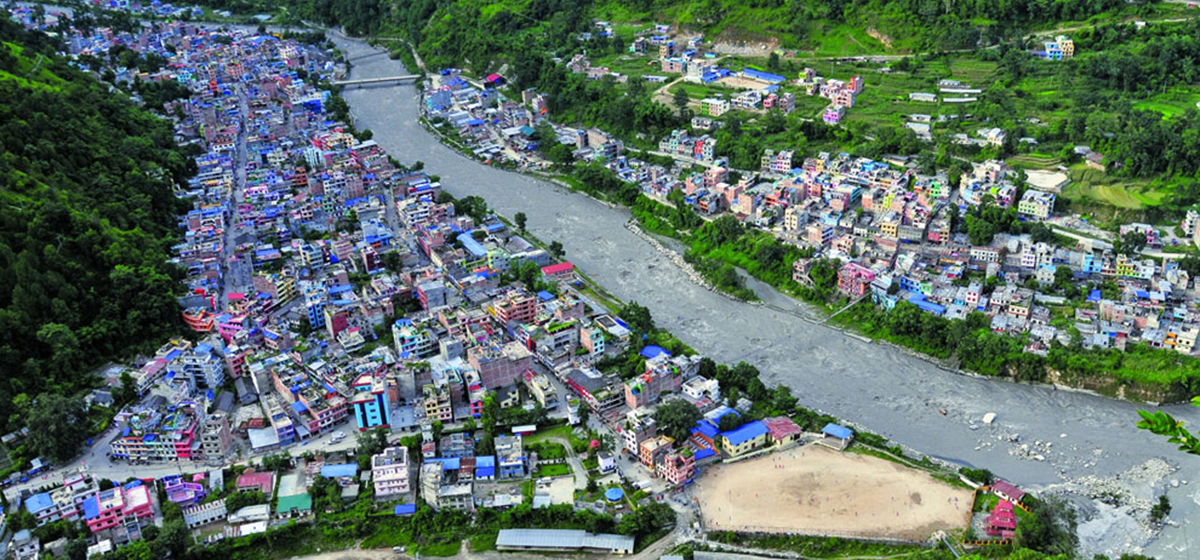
(563, 539)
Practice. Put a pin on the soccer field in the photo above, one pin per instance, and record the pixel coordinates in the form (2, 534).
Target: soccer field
(818, 491)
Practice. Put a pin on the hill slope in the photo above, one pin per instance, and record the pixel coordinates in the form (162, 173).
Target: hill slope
(87, 218)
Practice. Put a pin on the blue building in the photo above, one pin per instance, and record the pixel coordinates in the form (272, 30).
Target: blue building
(370, 403)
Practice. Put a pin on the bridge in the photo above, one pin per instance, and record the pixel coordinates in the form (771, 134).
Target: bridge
(368, 81)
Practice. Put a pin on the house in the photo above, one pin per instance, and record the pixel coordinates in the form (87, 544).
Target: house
(781, 430)
(296, 505)
(1008, 492)
(836, 437)
(257, 481)
(607, 463)
(749, 437)
(563, 271)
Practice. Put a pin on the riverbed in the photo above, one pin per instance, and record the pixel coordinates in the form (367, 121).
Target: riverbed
(1066, 435)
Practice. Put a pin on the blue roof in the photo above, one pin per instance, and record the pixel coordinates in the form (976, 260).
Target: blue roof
(299, 407)
(485, 461)
(406, 509)
(614, 494)
(38, 502)
(652, 351)
(472, 246)
(545, 296)
(346, 470)
(704, 454)
(747, 432)
(706, 429)
(840, 432)
(765, 76)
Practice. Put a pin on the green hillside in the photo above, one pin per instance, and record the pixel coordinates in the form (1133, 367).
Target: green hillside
(87, 218)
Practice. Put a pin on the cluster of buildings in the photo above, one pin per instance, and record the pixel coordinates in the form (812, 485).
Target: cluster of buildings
(1062, 47)
(115, 514)
(841, 94)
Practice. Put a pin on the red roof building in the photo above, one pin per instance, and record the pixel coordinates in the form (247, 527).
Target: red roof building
(261, 481)
(782, 430)
(1008, 491)
(1003, 521)
(560, 271)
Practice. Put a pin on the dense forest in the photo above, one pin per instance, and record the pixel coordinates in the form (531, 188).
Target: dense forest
(87, 220)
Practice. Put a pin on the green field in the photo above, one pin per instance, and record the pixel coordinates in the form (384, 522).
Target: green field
(1171, 104)
(1087, 183)
(1035, 161)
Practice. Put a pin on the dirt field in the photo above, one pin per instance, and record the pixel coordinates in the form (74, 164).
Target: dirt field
(741, 84)
(818, 491)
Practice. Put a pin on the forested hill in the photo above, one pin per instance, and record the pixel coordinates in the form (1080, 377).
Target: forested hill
(87, 219)
(482, 29)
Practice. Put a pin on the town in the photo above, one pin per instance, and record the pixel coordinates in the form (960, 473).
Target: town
(985, 239)
(360, 341)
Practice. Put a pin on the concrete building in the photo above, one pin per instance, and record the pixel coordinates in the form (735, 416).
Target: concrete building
(390, 473)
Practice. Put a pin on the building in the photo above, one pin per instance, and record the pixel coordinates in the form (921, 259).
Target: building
(390, 473)
(781, 430)
(370, 402)
(749, 437)
(204, 514)
(836, 437)
(563, 540)
(1002, 522)
(855, 279)
(257, 481)
(677, 466)
(440, 492)
(118, 508)
(1036, 204)
(216, 440)
(1008, 492)
(510, 456)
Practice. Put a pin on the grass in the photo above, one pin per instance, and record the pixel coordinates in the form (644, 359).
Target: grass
(442, 549)
(1171, 104)
(1131, 194)
(560, 469)
(482, 542)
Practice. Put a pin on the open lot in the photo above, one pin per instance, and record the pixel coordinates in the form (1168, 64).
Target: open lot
(815, 490)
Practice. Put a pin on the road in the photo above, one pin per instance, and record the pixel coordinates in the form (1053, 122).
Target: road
(581, 476)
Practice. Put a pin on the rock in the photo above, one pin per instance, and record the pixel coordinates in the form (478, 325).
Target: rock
(989, 418)
(1062, 435)
(1039, 458)
(1174, 483)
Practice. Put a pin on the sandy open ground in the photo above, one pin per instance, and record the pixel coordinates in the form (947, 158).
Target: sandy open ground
(818, 491)
(740, 83)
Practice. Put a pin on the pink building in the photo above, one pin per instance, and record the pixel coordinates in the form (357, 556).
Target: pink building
(117, 506)
(855, 279)
(677, 466)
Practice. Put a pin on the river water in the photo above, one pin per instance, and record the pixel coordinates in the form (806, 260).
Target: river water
(877, 387)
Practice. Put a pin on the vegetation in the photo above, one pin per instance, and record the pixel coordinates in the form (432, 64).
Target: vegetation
(87, 219)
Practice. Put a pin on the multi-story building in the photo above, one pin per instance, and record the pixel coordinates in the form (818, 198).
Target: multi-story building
(216, 440)
(390, 473)
(370, 402)
(677, 466)
(1036, 204)
(498, 365)
(855, 279)
(661, 376)
(203, 369)
(510, 457)
(441, 493)
(119, 508)
(64, 502)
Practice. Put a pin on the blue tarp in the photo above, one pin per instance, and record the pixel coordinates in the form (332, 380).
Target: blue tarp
(652, 351)
(704, 454)
(345, 470)
(405, 509)
(299, 407)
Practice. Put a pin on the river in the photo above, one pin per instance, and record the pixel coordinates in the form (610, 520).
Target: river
(877, 387)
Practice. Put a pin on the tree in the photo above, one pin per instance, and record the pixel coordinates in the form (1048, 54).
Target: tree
(520, 220)
(677, 418)
(637, 317)
(557, 249)
(729, 422)
(129, 392)
(57, 425)
(681, 100)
